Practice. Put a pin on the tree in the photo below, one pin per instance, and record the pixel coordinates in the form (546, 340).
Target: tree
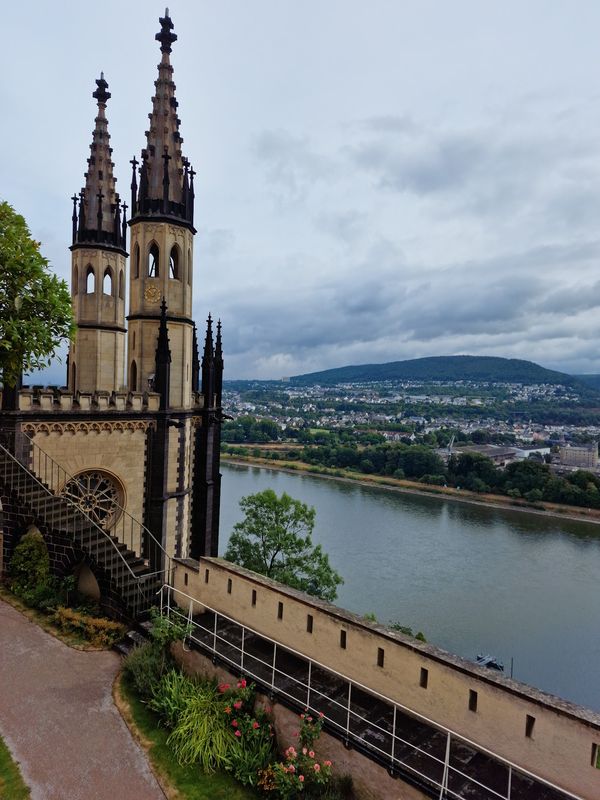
(35, 305)
(275, 539)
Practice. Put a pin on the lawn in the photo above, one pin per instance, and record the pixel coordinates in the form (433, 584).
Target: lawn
(11, 783)
(186, 782)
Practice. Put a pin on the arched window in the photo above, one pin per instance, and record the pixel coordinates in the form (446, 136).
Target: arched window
(133, 377)
(74, 378)
(174, 263)
(75, 280)
(136, 261)
(90, 280)
(107, 281)
(189, 268)
(153, 257)
(121, 287)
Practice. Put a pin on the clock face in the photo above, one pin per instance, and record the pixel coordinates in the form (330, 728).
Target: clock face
(152, 293)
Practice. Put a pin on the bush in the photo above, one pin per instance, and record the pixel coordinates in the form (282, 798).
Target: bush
(145, 666)
(97, 630)
(170, 695)
(30, 564)
(200, 734)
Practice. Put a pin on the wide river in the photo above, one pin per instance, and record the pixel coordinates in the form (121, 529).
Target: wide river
(473, 579)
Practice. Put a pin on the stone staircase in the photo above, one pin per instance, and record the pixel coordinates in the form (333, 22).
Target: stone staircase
(131, 578)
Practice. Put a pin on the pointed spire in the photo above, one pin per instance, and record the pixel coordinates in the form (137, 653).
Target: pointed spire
(195, 362)
(208, 343)
(218, 366)
(98, 197)
(162, 376)
(161, 189)
(208, 366)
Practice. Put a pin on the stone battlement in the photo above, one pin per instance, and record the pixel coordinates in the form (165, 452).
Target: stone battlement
(54, 399)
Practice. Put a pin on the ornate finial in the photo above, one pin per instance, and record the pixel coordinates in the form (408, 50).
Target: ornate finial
(165, 36)
(101, 94)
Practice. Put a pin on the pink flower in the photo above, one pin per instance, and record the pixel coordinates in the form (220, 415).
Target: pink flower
(223, 687)
(302, 716)
(234, 723)
(237, 705)
(321, 714)
(301, 778)
(268, 710)
(291, 768)
(304, 751)
(243, 683)
(237, 733)
(317, 768)
(255, 725)
(311, 753)
(309, 719)
(327, 763)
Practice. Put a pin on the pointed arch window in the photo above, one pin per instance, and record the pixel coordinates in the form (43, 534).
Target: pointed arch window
(136, 261)
(90, 280)
(153, 259)
(174, 263)
(107, 281)
(133, 377)
(75, 279)
(121, 286)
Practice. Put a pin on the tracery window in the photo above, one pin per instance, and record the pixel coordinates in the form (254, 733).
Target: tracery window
(98, 494)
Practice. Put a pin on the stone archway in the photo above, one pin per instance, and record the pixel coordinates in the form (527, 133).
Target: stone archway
(86, 582)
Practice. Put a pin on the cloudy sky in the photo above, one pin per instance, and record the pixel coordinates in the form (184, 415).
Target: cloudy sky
(376, 180)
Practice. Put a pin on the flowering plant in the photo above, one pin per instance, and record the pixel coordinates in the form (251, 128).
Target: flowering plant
(302, 771)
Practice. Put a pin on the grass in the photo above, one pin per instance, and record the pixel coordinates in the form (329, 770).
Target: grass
(178, 782)
(11, 782)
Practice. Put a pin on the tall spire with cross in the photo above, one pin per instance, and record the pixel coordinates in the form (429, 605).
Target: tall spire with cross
(163, 189)
(99, 201)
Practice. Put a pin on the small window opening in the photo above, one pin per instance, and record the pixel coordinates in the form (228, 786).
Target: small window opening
(472, 700)
(133, 377)
(121, 286)
(229, 585)
(153, 258)
(424, 678)
(253, 597)
(75, 280)
(133, 341)
(343, 640)
(136, 261)
(309, 623)
(90, 280)
(280, 611)
(107, 282)
(380, 656)
(174, 264)
(596, 756)
(185, 578)
(529, 726)
(189, 268)
(206, 574)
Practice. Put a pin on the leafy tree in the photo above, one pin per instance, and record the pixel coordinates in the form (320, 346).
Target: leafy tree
(35, 306)
(275, 539)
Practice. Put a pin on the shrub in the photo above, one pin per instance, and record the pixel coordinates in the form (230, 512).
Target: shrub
(30, 564)
(200, 734)
(170, 695)
(97, 630)
(145, 666)
(302, 771)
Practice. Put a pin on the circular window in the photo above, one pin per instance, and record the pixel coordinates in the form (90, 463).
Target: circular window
(97, 494)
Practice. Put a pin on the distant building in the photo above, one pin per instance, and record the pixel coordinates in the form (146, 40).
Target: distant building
(583, 455)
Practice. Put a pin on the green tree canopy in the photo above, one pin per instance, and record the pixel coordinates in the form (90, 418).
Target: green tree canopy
(275, 539)
(35, 305)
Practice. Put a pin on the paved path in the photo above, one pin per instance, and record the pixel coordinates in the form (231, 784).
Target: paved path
(58, 719)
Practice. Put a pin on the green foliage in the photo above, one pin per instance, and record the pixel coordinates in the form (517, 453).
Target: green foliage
(145, 666)
(35, 305)
(199, 735)
(275, 539)
(30, 563)
(302, 772)
(250, 429)
(407, 631)
(170, 695)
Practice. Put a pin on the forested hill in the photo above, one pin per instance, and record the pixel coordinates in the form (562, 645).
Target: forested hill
(441, 368)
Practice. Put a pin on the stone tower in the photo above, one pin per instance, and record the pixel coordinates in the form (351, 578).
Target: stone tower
(162, 232)
(97, 355)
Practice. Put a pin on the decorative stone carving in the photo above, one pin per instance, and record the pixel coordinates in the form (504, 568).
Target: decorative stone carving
(103, 426)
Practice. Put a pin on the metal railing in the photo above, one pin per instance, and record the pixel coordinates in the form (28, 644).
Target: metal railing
(445, 763)
(137, 590)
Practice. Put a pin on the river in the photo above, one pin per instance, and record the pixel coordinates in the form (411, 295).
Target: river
(472, 578)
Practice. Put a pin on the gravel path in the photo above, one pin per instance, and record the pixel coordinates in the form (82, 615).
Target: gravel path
(59, 721)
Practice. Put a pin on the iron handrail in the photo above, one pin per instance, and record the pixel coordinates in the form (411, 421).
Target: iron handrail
(351, 682)
(123, 514)
(136, 580)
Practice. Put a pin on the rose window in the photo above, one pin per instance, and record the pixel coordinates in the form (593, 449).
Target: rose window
(97, 494)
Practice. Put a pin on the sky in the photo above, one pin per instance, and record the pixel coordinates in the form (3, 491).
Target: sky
(375, 180)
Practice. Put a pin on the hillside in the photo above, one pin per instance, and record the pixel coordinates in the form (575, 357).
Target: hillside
(442, 368)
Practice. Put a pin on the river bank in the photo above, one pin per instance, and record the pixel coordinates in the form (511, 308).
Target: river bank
(412, 487)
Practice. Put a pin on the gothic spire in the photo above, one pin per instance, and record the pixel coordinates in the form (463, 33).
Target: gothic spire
(218, 366)
(163, 190)
(99, 211)
(208, 366)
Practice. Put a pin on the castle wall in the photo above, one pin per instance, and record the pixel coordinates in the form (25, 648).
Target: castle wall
(560, 749)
